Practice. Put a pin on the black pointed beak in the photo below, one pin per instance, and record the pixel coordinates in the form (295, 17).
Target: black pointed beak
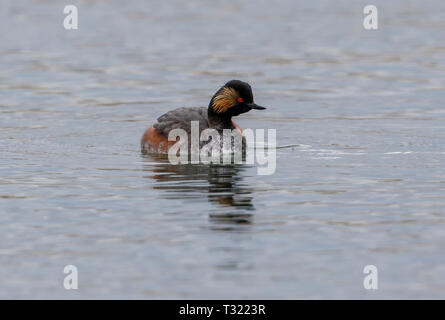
(255, 106)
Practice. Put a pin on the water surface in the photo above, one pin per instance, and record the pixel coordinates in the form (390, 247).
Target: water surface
(364, 185)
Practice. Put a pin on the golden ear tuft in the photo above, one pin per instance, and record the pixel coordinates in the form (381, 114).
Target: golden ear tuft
(225, 99)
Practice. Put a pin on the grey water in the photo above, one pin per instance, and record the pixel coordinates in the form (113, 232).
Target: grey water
(361, 183)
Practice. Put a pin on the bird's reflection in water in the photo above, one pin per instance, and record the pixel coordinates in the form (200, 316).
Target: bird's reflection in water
(221, 184)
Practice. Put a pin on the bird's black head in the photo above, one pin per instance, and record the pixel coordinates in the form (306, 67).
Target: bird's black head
(234, 98)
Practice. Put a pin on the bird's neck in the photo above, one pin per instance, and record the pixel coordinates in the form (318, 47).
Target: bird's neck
(218, 121)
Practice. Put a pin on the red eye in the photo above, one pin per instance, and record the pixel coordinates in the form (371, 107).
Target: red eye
(240, 100)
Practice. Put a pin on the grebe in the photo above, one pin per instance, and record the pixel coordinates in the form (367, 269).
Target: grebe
(232, 99)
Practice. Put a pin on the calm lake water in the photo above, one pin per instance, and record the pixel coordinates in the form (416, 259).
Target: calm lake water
(364, 185)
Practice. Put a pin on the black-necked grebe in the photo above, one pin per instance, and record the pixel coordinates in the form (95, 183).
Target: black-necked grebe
(234, 98)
